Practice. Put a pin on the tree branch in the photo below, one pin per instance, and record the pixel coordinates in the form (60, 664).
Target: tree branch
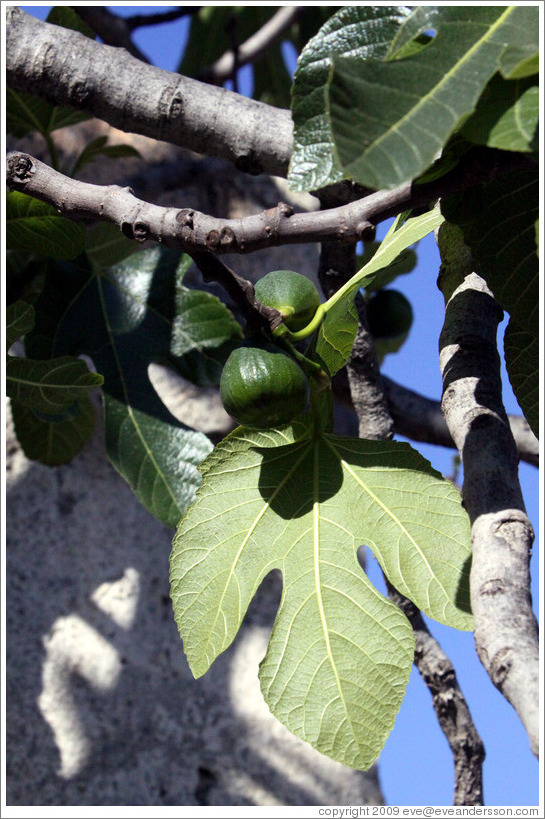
(449, 704)
(253, 48)
(506, 633)
(67, 68)
(111, 28)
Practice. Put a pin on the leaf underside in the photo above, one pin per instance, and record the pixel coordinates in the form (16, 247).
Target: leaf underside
(340, 653)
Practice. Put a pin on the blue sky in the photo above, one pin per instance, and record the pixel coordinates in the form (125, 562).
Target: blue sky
(416, 764)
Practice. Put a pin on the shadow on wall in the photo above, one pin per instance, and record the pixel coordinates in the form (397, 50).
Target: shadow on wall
(102, 708)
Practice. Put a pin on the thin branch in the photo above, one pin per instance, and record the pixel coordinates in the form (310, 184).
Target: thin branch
(421, 419)
(111, 28)
(191, 230)
(253, 48)
(449, 704)
(506, 632)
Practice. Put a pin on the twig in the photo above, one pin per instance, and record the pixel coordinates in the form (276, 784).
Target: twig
(252, 48)
(111, 28)
(449, 704)
(506, 634)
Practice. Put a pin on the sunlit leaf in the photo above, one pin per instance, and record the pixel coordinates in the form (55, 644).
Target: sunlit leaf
(340, 654)
(390, 118)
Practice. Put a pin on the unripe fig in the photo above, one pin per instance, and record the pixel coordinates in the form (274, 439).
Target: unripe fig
(389, 314)
(292, 294)
(263, 387)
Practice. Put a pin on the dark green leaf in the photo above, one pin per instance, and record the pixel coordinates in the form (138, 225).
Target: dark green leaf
(365, 31)
(379, 109)
(521, 350)
(106, 245)
(506, 116)
(37, 226)
(26, 112)
(123, 318)
(55, 440)
(49, 386)
(19, 320)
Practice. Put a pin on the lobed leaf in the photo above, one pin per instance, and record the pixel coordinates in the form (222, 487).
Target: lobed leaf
(340, 653)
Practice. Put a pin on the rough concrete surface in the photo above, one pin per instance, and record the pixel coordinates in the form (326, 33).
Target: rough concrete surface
(102, 708)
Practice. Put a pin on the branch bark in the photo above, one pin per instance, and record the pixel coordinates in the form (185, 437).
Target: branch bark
(67, 68)
(449, 704)
(421, 419)
(506, 633)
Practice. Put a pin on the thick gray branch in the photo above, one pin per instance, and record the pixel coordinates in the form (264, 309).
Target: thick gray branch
(422, 419)
(68, 68)
(506, 633)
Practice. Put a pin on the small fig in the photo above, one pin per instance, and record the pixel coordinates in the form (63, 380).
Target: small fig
(292, 294)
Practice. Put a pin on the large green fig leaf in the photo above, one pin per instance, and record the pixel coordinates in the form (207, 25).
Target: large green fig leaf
(364, 31)
(379, 107)
(338, 329)
(340, 653)
(498, 225)
(125, 317)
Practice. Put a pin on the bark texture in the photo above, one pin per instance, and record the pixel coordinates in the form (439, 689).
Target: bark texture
(506, 634)
(70, 69)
